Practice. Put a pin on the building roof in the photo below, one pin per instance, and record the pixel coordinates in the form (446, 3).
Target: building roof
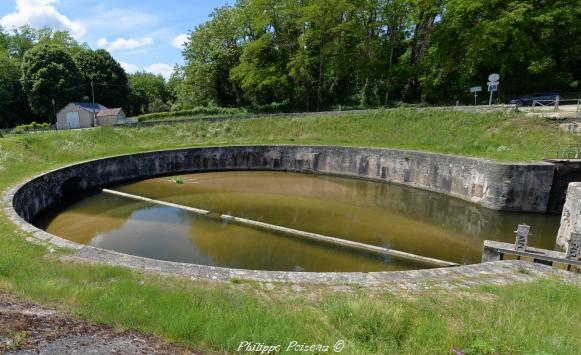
(110, 112)
(87, 106)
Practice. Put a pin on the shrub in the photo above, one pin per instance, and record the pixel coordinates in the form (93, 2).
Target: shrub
(196, 111)
(31, 127)
(272, 107)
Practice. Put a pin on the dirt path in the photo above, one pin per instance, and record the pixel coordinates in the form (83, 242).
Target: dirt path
(27, 328)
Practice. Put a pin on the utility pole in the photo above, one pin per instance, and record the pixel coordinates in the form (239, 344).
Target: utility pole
(54, 113)
(93, 94)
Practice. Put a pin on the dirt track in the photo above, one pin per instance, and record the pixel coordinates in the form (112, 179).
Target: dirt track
(27, 328)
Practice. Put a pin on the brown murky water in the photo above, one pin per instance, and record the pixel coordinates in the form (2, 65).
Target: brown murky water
(398, 217)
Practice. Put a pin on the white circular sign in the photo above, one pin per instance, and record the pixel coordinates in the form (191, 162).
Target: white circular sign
(493, 77)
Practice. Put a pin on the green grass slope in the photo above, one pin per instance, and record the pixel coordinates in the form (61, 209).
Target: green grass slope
(542, 317)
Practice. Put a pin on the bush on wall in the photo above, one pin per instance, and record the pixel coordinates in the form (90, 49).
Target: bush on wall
(196, 111)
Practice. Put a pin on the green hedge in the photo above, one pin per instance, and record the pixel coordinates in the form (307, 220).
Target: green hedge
(31, 127)
(196, 111)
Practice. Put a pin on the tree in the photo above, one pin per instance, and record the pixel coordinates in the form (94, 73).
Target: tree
(23, 38)
(60, 39)
(19, 41)
(109, 78)
(213, 49)
(49, 73)
(313, 54)
(260, 74)
(148, 93)
(532, 44)
(328, 39)
(424, 13)
(13, 105)
(4, 41)
(396, 14)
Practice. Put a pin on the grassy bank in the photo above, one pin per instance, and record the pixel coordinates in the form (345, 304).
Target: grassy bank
(538, 317)
(500, 136)
(196, 111)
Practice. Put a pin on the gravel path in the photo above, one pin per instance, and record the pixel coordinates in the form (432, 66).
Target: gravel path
(27, 328)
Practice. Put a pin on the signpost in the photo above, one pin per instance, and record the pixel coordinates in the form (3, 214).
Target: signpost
(492, 85)
(476, 90)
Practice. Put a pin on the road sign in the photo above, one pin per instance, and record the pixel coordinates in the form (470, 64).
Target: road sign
(475, 90)
(492, 85)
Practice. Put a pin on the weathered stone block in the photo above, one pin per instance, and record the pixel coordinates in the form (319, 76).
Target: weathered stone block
(571, 216)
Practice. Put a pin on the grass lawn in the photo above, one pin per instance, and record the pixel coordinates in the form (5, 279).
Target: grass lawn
(540, 317)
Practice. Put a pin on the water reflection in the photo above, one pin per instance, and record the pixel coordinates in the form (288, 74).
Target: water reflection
(402, 218)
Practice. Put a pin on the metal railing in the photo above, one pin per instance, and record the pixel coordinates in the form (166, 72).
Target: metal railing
(557, 103)
(543, 103)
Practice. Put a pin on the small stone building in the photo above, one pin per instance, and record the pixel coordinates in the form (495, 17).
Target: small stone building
(111, 116)
(77, 115)
(85, 114)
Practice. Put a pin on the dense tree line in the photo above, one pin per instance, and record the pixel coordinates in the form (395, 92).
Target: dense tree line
(274, 55)
(41, 71)
(314, 54)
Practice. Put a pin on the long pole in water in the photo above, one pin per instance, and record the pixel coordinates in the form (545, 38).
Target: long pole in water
(294, 232)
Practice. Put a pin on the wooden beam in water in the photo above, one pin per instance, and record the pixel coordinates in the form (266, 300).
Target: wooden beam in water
(294, 232)
(158, 202)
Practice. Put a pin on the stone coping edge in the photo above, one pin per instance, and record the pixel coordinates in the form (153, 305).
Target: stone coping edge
(93, 255)
(90, 254)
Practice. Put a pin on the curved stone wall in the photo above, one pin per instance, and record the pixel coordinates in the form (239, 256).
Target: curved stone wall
(515, 187)
(499, 186)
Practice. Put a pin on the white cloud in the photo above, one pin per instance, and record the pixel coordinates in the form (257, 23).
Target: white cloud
(102, 42)
(163, 69)
(180, 40)
(130, 68)
(41, 13)
(124, 43)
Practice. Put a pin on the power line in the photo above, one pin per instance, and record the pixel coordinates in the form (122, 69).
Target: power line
(13, 101)
(63, 90)
(75, 87)
(26, 99)
(105, 84)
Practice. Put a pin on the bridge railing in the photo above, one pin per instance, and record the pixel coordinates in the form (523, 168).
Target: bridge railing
(571, 258)
(556, 104)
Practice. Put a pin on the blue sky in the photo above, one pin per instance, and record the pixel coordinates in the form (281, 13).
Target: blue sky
(141, 35)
